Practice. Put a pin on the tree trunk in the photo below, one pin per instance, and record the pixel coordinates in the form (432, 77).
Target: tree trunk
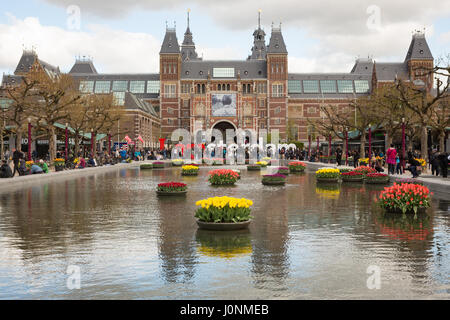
(2, 152)
(362, 150)
(51, 143)
(19, 140)
(442, 141)
(388, 141)
(424, 143)
(77, 144)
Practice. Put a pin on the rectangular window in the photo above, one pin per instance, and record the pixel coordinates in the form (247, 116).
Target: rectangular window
(223, 72)
(169, 91)
(277, 121)
(119, 98)
(328, 86)
(120, 86)
(277, 110)
(277, 90)
(153, 86)
(102, 86)
(261, 103)
(87, 86)
(361, 86)
(137, 86)
(5, 103)
(294, 86)
(310, 86)
(345, 86)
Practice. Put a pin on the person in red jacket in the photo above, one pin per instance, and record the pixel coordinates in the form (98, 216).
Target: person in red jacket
(391, 153)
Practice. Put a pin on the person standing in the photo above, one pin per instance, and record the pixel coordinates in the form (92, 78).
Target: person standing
(443, 160)
(17, 155)
(435, 162)
(338, 156)
(391, 153)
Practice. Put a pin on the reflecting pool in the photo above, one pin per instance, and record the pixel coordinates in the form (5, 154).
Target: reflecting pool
(307, 241)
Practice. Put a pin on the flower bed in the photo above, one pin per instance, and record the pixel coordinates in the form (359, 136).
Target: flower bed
(28, 164)
(177, 162)
(327, 175)
(274, 179)
(422, 162)
(405, 198)
(158, 165)
(146, 166)
(364, 161)
(268, 160)
(263, 164)
(365, 170)
(189, 170)
(352, 176)
(343, 170)
(376, 178)
(171, 188)
(253, 167)
(223, 177)
(238, 172)
(59, 164)
(283, 170)
(296, 166)
(224, 210)
(412, 181)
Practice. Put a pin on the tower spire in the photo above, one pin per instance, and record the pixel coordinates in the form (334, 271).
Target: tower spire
(188, 12)
(259, 19)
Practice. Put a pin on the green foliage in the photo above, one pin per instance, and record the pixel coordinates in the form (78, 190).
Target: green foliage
(225, 214)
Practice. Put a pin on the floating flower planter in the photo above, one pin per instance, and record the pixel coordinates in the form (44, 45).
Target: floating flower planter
(59, 164)
(223, 177)
(377, 178)
(189, 170)
(171, 189)
(253, 167)
(263, 164)
(283, 170)
(223, 213)
(146, 166)
(352, 176)
(177, 162)
(327, 175)
(297, 167)
(268, 160)
(158, 165)
(274, 179)
(405, 198)
(365, 170)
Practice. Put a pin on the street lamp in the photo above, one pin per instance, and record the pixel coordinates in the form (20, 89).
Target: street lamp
(29, 139)
(403, 142)
(67, 141)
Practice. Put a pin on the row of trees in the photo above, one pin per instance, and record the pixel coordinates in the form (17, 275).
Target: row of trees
(389, 106)
(45, 100)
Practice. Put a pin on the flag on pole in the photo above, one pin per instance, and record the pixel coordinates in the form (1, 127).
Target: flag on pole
(140, 139)
(127, 139)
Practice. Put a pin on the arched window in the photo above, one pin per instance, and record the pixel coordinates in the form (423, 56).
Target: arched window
(203, 89)
(198, 88)
(219, 87)
(228, 87)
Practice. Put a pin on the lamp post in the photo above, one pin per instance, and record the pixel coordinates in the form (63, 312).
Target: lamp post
(29, 139)
(92, 143)
(329, 148)
(67, 142)
(403, 142)
(370, 144)
(109, 143)
(309, 146)
(346, 147)
(318, 147)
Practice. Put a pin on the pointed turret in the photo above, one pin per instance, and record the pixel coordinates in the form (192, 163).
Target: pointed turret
(418, 49)
(259, 48)
(170, 42)
(188, 47)
(276, 44)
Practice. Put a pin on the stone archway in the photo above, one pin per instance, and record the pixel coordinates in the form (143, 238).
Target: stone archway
(222, 126)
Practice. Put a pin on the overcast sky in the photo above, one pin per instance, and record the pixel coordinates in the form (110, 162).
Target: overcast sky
(125, 36)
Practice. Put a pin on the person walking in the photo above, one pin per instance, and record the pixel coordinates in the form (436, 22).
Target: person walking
(338, 156)
(443, 160)
(17, 155)
(398, 165)
(391, 153)
(435, 162)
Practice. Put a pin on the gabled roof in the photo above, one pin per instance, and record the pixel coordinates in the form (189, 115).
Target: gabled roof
(28, 59)
(170, 42)
(363, 66)
(418, 49)
(247, 69)
(133, 102)
(83, 66)
(388, 71)
(276, 44)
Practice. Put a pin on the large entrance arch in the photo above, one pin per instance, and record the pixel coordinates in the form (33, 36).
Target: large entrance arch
(222, 126)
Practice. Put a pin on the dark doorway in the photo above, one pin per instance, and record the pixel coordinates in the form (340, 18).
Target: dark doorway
(222, 127)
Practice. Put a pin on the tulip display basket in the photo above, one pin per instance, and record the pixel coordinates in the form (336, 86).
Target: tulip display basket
(377, 178)
(283, 171)
(171, 189)
(223, 226)
(158, 165)
(146, 166)
(253, 167)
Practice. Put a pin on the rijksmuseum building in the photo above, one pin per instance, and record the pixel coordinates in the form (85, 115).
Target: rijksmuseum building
(255, 93)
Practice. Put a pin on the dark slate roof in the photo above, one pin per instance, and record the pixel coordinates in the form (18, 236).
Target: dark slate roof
(363, 66)
(170, 42)
(83, 67)
(28, 59)
(328, 76)
(248, 69)
(134, 102)
(11, 80)
(276, 44)
(118, 76)
(418, 49)
(388, 71)
(259, 49)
